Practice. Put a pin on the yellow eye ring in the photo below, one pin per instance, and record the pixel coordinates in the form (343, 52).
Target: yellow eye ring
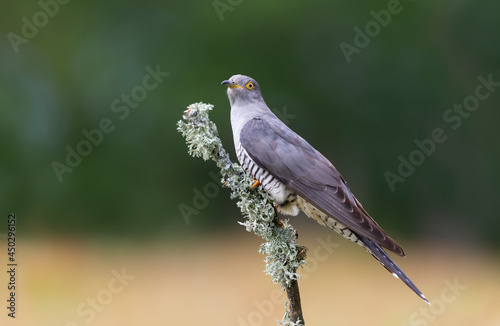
(250, 85)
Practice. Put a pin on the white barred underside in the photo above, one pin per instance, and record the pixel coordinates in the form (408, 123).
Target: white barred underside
(288, 202)
(326, 220)
(271, 185)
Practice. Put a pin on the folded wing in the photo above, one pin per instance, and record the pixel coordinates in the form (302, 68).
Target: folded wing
(295, 163)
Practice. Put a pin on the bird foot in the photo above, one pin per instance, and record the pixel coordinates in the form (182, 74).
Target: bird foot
(302, 253)
(256, 183)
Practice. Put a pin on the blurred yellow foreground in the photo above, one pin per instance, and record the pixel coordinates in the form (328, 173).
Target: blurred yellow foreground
(218, 280)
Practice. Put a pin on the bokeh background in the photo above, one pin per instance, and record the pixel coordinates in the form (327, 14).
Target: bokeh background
(118, 212)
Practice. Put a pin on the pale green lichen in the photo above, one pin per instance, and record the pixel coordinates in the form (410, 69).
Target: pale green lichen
(281, 248)
(287, 319)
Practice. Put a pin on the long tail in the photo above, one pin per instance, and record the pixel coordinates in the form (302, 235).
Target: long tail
(376, 251)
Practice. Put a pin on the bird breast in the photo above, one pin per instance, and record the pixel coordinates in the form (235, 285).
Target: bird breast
(277, 190)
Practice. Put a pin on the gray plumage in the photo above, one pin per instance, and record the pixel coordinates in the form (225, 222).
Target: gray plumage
(298, 177)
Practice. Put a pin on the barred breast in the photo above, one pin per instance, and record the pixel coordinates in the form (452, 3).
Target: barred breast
(288, 202)
(283, 197)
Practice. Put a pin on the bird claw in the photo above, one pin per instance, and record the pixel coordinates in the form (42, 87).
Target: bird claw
(256, 183)
(301, 253)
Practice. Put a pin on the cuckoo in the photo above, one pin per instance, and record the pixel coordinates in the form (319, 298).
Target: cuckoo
(299, 178)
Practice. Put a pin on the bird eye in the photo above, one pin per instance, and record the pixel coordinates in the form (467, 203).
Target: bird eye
(250, 85)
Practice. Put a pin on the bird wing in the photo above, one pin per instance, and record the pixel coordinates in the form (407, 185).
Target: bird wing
(294, 162)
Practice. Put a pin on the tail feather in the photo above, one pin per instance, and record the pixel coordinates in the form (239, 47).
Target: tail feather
(376, 251)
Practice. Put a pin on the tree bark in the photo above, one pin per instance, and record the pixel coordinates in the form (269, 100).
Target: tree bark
(295, 307)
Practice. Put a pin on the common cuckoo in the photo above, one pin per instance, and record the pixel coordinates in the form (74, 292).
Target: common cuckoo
(298, 177)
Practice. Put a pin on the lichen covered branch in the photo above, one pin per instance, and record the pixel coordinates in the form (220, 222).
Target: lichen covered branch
(280, 246)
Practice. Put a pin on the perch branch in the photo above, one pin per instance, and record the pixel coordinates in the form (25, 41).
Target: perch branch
(283, 254)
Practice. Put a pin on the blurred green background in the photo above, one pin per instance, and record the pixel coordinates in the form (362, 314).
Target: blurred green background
(62, 77)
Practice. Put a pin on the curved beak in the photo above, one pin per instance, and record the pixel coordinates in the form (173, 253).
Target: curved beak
(230, 84)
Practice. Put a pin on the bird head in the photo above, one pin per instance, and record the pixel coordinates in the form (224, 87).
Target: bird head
(242, 89)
